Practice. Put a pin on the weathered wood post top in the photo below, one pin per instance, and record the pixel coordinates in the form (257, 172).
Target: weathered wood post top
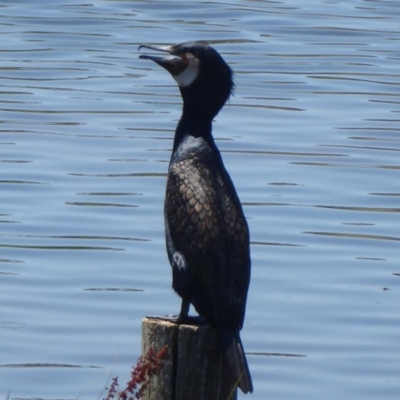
(194, 367)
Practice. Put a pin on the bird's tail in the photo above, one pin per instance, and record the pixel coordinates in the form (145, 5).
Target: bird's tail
(236, 359)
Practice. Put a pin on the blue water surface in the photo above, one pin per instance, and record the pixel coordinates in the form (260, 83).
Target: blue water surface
(311, 139)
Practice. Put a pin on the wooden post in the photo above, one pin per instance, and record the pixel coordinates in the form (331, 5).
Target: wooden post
(194, 368)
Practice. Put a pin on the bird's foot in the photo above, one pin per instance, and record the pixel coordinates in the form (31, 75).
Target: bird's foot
(178, 319)
(190, 320)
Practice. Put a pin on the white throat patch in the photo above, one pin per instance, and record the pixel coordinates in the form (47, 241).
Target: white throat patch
(190, 73)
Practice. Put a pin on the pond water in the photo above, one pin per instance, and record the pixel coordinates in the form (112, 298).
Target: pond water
(311, 139)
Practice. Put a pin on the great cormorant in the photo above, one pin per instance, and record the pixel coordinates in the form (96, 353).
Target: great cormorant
(206, 231)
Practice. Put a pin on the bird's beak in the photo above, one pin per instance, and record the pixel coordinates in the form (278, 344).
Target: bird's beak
(174, 63)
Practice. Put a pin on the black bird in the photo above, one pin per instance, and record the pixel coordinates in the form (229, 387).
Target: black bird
(206, 231)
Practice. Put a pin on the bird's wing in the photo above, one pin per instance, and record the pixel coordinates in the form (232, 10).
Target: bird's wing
(207, 225)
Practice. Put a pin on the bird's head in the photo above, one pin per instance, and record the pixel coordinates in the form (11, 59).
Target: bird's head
(204, 78)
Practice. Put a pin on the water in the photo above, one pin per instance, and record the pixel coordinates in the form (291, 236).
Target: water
(311, 139)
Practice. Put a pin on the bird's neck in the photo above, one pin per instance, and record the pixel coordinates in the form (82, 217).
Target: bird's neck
(194, 125)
